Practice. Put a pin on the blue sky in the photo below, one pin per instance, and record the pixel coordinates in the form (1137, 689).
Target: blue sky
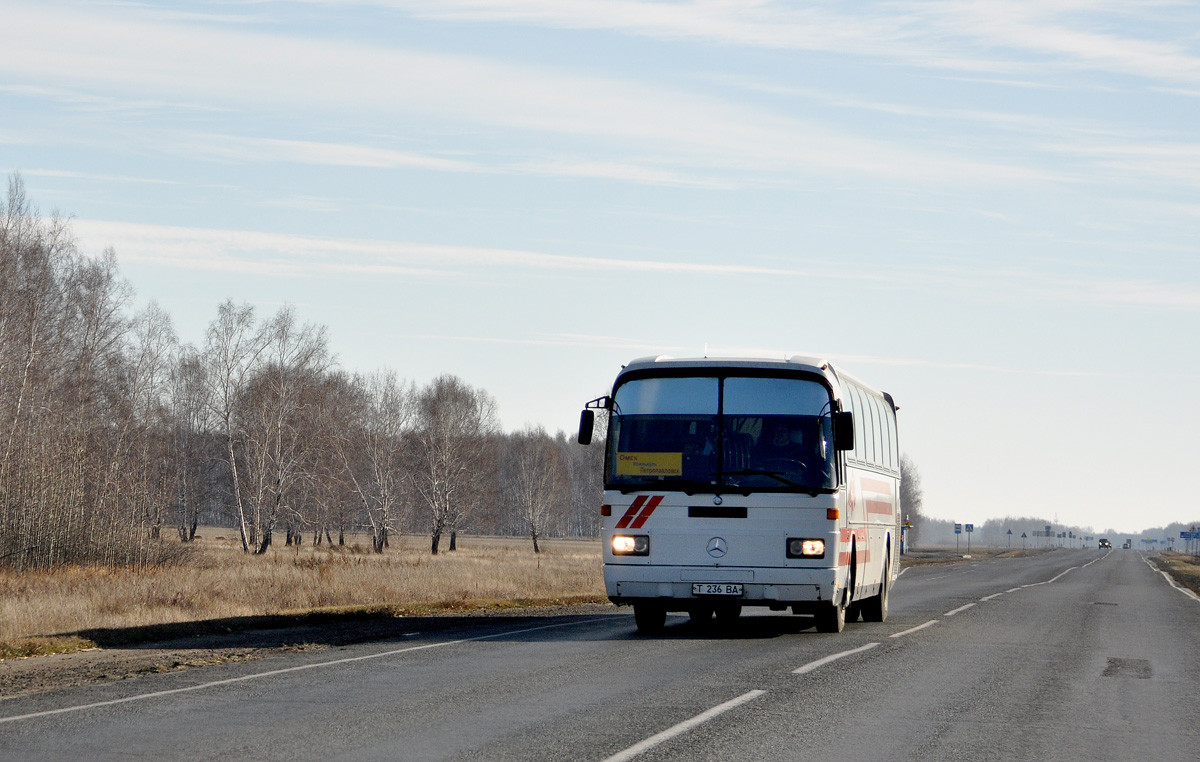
(989, 209)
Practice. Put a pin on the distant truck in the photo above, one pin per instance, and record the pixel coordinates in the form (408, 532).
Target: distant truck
(1128, 544)
(1104, 543)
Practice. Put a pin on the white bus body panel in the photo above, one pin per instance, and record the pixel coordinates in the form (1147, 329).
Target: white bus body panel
(866, 530)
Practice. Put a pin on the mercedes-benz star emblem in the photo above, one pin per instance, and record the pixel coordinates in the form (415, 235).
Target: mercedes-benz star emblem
(717, 548)
(717, 500)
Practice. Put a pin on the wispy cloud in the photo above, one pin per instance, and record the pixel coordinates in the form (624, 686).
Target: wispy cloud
(134, 58)
(306, 256)
(942, 364)
(944, 35)
(244, 149)
(66, 174)
(553, 340)
(294, 255)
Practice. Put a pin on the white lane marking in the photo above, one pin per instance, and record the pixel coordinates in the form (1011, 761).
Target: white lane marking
(1012, 590)
(901, 574)
(1055, 579)
(682, 727)
(914, 629)
(271, 673)
(993, 595)
(1172, 581)
(958, 610)
(822, 662)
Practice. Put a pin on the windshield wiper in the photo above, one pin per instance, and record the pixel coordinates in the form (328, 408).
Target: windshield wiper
(687, 487)
(761, 472)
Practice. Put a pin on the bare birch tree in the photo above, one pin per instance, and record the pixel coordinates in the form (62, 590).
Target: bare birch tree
(535, 481)
(189, 426)
(232, 348)
(911, 496)
(452, 452)
(371, 447)
(272, 415)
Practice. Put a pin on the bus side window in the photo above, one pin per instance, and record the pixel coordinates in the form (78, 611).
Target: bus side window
(856, 411)
(890, 423)
(876, 432)
(881, 433)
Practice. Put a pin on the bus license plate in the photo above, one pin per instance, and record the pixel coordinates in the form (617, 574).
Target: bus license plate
(715, 588)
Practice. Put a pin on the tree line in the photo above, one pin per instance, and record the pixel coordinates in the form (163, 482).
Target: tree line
(116, 436)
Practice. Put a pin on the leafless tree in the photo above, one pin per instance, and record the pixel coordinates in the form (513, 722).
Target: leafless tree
(273, 413)
(452, 454)
(189, 427)
(535, 480)
(232, 349)
(69, 473)
(911, 495)
(152, 358)
(585, 472)
(371, 447)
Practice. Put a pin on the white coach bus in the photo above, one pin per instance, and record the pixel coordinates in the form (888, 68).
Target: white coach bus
(748, 482)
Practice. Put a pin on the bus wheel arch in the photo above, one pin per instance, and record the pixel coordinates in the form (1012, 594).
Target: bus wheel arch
(875, 608)
(853, 607)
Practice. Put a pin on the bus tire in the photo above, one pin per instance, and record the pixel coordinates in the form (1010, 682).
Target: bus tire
(650, 618)
(832, 618)
(875, 608)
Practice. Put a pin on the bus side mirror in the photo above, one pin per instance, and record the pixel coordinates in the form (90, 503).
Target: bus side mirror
(587, 423)
(843, 430)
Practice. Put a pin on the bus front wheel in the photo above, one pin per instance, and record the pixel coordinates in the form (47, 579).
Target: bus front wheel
(875, 609)
(832, 618)
(650, 618)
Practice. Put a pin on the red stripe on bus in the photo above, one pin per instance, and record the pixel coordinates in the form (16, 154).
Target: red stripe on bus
(879, 506)
(629, 514)
(864, 557)
(878, 485)
(645, 514)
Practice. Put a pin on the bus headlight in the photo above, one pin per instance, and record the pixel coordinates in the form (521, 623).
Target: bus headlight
(801, 548)
(626, 545)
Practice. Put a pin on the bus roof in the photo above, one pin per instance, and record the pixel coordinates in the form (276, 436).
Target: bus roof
(794, 362)
(798, 362)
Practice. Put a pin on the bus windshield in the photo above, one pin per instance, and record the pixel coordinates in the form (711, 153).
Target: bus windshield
(715, 433)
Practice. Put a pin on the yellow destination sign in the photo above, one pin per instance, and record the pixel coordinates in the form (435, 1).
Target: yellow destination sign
(649, 464)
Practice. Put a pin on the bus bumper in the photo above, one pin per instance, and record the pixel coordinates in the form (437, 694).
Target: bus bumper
(671, 586)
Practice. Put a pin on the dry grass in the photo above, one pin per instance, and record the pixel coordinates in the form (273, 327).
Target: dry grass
(949, 555)
(1184, 568)
(217, 580)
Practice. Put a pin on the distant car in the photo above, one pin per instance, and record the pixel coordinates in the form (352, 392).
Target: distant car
(1104, 543)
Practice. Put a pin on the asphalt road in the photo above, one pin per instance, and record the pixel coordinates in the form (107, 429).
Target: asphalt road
(1070, 655)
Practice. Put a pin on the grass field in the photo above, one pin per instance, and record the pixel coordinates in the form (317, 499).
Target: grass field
(46, 612)
(1184, 568)
(948, 554)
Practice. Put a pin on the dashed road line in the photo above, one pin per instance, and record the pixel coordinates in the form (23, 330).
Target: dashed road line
(958, 610)
(683, 727)
(913, 629)
(272, 673)
(828, 659)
